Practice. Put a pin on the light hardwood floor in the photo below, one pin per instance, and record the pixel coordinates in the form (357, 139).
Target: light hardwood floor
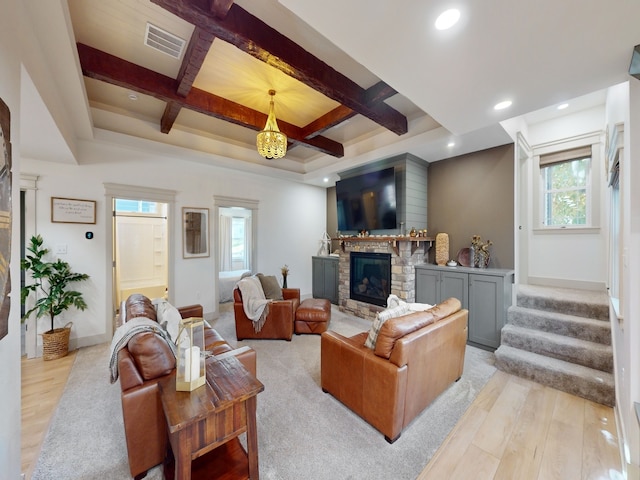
(518, 429)
(42, 386)
(514, 429)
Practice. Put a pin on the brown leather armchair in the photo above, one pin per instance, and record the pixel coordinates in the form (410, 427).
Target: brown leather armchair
(141, 365)
(279, 322)
(416, 357)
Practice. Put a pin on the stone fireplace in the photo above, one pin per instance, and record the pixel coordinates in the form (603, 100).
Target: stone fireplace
(402, 256)
(370, 277)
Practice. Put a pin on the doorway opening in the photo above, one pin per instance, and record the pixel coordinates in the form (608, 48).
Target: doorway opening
(140, 249)
(236, 221)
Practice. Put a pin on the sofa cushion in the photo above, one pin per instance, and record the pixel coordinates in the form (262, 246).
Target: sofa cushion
(396, 328)
(152, 355)
(138, 305)
(270, 286)
(381, 318)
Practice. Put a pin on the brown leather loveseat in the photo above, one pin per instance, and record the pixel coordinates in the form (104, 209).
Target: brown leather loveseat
(141, 364)
(416, 357)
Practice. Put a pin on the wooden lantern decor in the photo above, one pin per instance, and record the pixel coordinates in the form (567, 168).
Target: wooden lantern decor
(190, 371)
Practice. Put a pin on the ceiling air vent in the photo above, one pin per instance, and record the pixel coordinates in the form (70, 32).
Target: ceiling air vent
(164, 41)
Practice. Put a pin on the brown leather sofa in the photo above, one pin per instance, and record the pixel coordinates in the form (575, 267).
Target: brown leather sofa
(146, 360)
(279, 322)
(416, 357)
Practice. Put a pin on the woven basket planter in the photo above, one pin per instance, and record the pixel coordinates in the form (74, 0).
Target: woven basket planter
(55, 343)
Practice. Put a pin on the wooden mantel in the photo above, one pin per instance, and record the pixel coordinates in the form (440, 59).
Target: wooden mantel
(416, 242)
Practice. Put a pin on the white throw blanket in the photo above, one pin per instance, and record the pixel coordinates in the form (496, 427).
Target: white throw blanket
(394, 301)
(127, 330)
(254, 303)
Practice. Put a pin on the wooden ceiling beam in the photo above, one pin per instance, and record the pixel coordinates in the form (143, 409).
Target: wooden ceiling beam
(379, 93)
(220, 8)
(253, 36)
(375, 94)
(194, 57)
(327, 121)
(116, 71)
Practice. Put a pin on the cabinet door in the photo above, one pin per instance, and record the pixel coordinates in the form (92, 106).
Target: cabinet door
(486, 309)
(455, 284)
(331, 280)
(427, 286)
(317, 277)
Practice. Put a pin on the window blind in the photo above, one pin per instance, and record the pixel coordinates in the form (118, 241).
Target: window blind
(565, 156)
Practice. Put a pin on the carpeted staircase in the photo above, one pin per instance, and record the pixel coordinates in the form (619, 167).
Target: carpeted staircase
(560, 338)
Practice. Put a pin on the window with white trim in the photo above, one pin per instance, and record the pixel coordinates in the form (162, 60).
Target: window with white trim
(566, 188)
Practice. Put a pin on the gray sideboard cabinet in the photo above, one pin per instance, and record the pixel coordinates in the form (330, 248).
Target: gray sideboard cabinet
(325, 278)
(485, 292)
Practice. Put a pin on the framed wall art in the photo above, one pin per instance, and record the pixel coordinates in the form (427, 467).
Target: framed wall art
(195, 232)
(5, 217)
(71, 210)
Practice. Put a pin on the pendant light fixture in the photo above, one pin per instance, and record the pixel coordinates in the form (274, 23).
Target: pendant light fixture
(271, 142)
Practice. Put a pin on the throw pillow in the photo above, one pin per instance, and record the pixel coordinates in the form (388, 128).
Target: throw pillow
(382, 317)
(168, 317)
(271, 287)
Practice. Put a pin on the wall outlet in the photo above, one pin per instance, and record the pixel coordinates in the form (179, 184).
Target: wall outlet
(61, 249)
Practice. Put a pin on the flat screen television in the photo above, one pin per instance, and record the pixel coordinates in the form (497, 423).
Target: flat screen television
(367, 201)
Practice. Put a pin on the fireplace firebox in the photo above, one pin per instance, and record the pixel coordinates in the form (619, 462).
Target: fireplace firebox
(370, 277)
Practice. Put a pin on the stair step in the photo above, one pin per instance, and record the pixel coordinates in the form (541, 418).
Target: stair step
(594, 305)
(574, 350)
(562, 324)
(578, 380)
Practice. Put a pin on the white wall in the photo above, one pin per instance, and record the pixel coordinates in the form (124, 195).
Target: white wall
(291, 220)
(10, 24)
(623, 105)
(550, 253)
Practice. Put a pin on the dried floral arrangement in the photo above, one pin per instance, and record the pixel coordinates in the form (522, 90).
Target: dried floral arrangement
(478, 245)
(284, 270)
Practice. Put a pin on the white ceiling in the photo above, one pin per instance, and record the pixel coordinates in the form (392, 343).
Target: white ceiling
(537, 54)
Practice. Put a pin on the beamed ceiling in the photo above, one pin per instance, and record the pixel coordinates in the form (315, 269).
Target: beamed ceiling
(230, 61)
(356, 81)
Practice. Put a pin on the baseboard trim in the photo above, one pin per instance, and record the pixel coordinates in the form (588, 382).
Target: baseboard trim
(565, 283)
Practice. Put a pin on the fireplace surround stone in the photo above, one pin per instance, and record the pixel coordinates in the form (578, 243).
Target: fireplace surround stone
(405, 255)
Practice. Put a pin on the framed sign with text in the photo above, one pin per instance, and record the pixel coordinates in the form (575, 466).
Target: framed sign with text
(71, 210)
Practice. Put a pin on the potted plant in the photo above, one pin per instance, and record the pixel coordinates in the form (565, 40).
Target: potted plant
(50, 283)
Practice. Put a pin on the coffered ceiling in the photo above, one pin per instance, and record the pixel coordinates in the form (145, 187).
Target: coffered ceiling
(356, 81)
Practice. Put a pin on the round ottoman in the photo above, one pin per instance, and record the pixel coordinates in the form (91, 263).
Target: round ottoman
(312, 316)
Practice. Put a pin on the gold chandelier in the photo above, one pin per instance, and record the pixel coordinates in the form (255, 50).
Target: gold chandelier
(271, 142)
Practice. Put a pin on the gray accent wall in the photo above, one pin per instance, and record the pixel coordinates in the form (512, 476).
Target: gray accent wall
(411, 192)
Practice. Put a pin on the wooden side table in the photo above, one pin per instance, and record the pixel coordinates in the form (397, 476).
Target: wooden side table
(201, 422)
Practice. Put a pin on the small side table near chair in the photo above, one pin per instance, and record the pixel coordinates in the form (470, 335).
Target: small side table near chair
(204, 424)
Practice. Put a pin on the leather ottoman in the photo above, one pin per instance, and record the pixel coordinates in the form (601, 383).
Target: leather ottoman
(312, 316)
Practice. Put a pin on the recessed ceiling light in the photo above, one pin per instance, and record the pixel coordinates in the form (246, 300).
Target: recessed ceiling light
(451, 144)
(562, 106)
(325, 179)
(503, 105)
(447, 19)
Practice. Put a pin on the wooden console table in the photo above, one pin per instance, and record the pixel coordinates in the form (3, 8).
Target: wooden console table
(204, 424)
